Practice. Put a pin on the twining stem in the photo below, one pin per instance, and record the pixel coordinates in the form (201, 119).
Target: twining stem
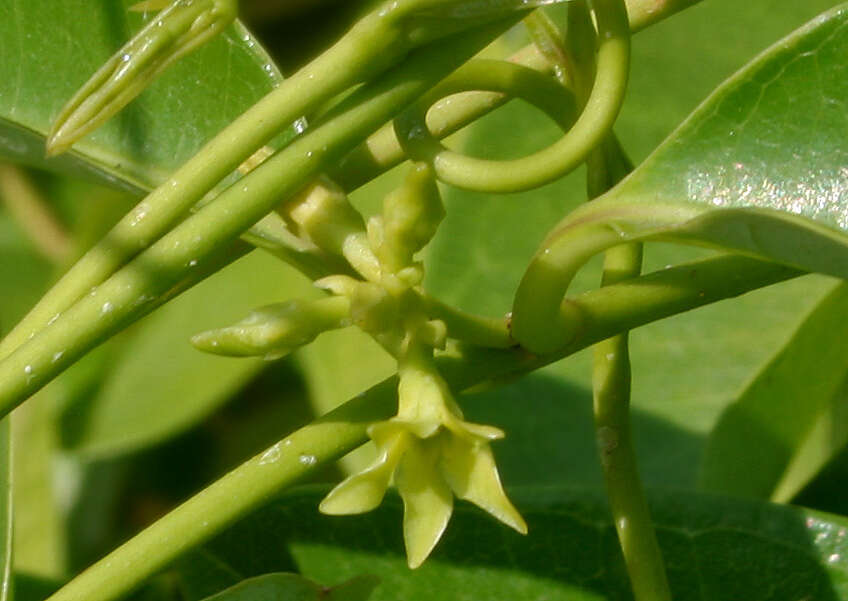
(606, 166)
(611, 385)
(606, 311)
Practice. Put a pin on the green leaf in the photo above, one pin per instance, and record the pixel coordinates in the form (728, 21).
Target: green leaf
(687, 368)
(292, 587)
(791, 420)
(33, 588)
(716, 548)
(161, 384)
(271, 587)
(43, 66)
(760, 166)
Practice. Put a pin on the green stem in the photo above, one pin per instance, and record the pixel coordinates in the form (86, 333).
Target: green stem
(611, 383)
(611, 386)
(239, 492)
(541, 320)
(607, 311)
(562, 156)
(166, 205)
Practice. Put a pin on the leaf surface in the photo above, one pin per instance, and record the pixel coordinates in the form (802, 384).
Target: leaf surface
(716, 549)
(791, 420)
(293, 587)
(762, 161)
(42, 66)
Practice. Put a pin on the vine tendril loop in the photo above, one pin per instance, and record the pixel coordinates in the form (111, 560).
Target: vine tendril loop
(539, 89)
(561, 157)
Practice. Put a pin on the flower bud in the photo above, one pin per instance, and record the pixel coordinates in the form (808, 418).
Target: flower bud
(411, 215)
(275, 330)
(323, 214)
(180, 28)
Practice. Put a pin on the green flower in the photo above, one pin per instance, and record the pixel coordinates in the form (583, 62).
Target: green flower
(433, 455)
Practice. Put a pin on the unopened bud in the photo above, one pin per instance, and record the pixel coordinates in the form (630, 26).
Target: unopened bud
(275, 330)
(411, 215)
(173, 33)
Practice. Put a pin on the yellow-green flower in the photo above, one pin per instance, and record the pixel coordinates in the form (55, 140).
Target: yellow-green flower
(433, 455)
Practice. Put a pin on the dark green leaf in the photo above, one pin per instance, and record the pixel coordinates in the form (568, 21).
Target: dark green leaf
(42, 66)
(716, 549)
(792, 419)
(292, 587)
(271, 587)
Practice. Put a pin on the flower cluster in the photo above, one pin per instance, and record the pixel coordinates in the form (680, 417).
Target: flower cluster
(427, 450)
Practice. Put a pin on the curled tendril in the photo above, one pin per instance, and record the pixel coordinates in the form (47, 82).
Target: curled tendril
(558, 159)
(181, 27)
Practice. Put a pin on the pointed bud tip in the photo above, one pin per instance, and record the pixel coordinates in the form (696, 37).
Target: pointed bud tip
(54, 147)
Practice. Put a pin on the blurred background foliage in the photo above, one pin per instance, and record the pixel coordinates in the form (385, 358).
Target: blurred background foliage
(145, 421)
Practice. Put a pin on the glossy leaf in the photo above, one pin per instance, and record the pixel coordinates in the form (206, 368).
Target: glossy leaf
(716, 548)
(791, 420)
(292, 587)
(43, 66)
(770, 139)
(687, 368)
(161, 384)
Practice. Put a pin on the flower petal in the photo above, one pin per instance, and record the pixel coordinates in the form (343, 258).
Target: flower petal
(427, 500)
(365, 491)
(470, 470)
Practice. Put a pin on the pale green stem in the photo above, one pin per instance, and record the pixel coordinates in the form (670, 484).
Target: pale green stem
(611, 388)
(607, 311)
(123, 297)
(541, 320)
(217, 159)
(631, 516)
